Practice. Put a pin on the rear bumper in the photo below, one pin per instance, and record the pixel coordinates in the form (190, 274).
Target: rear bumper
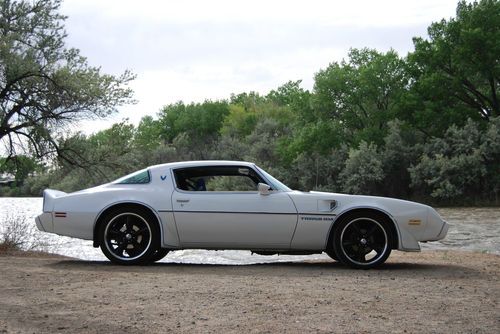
(44, 222)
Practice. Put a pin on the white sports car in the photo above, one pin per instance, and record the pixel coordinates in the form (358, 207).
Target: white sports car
(139, 218)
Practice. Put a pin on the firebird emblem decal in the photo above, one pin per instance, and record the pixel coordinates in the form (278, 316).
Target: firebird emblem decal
(318, 218)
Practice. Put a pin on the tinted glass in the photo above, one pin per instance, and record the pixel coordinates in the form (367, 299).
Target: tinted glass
(140, 177)
(217, 178)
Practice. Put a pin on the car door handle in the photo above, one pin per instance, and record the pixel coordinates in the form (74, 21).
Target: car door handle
(182, 200)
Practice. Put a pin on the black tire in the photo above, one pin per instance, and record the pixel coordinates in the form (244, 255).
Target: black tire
(159, 254)
(331, 253)
(363, 240)
(129, 236)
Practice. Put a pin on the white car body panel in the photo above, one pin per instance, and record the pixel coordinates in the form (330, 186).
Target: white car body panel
(247, 219)
(282, 220)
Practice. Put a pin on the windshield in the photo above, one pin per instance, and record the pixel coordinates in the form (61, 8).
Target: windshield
(276, 184)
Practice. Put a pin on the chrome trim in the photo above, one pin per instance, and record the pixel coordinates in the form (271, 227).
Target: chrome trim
(208, 192)
(235, 212)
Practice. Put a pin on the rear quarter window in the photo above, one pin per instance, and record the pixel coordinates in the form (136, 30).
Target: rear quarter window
(140, 177)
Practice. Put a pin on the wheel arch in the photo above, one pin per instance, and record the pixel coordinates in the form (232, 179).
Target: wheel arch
(123, 204)
(396, 235)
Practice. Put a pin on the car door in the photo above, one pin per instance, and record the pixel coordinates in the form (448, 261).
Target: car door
(231, 218)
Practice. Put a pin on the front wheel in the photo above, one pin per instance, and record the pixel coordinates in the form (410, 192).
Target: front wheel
(331, 253)
(129, 236)
(363, 240)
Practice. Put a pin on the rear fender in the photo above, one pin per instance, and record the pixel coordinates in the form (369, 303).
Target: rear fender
(49, 196)
(168, 237)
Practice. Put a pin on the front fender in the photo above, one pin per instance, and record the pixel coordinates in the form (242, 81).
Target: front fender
(405, 241)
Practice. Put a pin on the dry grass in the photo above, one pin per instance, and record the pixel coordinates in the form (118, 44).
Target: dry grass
(16, 234)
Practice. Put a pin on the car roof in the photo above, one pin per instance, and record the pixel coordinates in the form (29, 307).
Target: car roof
(201, 163)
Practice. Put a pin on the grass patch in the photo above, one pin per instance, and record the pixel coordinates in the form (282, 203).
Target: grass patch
(17, 234)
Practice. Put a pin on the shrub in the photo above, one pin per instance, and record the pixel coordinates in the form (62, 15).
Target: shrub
(363, 171)
(16, 235)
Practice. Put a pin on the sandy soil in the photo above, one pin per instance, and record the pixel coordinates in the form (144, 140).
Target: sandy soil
(428, 292)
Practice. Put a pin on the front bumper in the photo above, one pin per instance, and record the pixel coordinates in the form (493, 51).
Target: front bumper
(444, 231)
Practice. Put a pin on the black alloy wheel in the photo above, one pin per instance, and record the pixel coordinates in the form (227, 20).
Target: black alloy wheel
(129, 236)
(362, 240)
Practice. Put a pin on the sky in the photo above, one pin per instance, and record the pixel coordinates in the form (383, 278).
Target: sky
(193, 50)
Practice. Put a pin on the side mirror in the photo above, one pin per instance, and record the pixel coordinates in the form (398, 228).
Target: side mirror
(264, 189)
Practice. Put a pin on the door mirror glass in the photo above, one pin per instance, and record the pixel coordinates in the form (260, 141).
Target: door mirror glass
(264, 189)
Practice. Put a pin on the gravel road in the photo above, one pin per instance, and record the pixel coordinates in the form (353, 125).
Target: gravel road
(428, 292)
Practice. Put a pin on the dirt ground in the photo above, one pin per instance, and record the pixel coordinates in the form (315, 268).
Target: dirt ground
(428, 292)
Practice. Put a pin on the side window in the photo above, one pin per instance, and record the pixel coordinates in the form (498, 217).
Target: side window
(217, 178)
(231, 183)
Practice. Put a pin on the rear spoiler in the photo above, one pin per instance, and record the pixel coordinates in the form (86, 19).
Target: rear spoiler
(49, 195)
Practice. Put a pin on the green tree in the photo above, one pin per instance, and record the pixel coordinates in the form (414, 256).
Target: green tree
(247, 100)
(463, 166)
(100, 157)
(240, 122)
(456, 71)
(148, 134)
(363, 171)
(319, 138)
(45, 86)
(313, 171)
(20, 166)
(402, 146)
(361, 94)
(195, 126)
(198, 120)
(294, 97)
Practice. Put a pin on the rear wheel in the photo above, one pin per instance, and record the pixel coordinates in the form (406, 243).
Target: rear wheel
(363, 240)
(129, 236)
(159, 254)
